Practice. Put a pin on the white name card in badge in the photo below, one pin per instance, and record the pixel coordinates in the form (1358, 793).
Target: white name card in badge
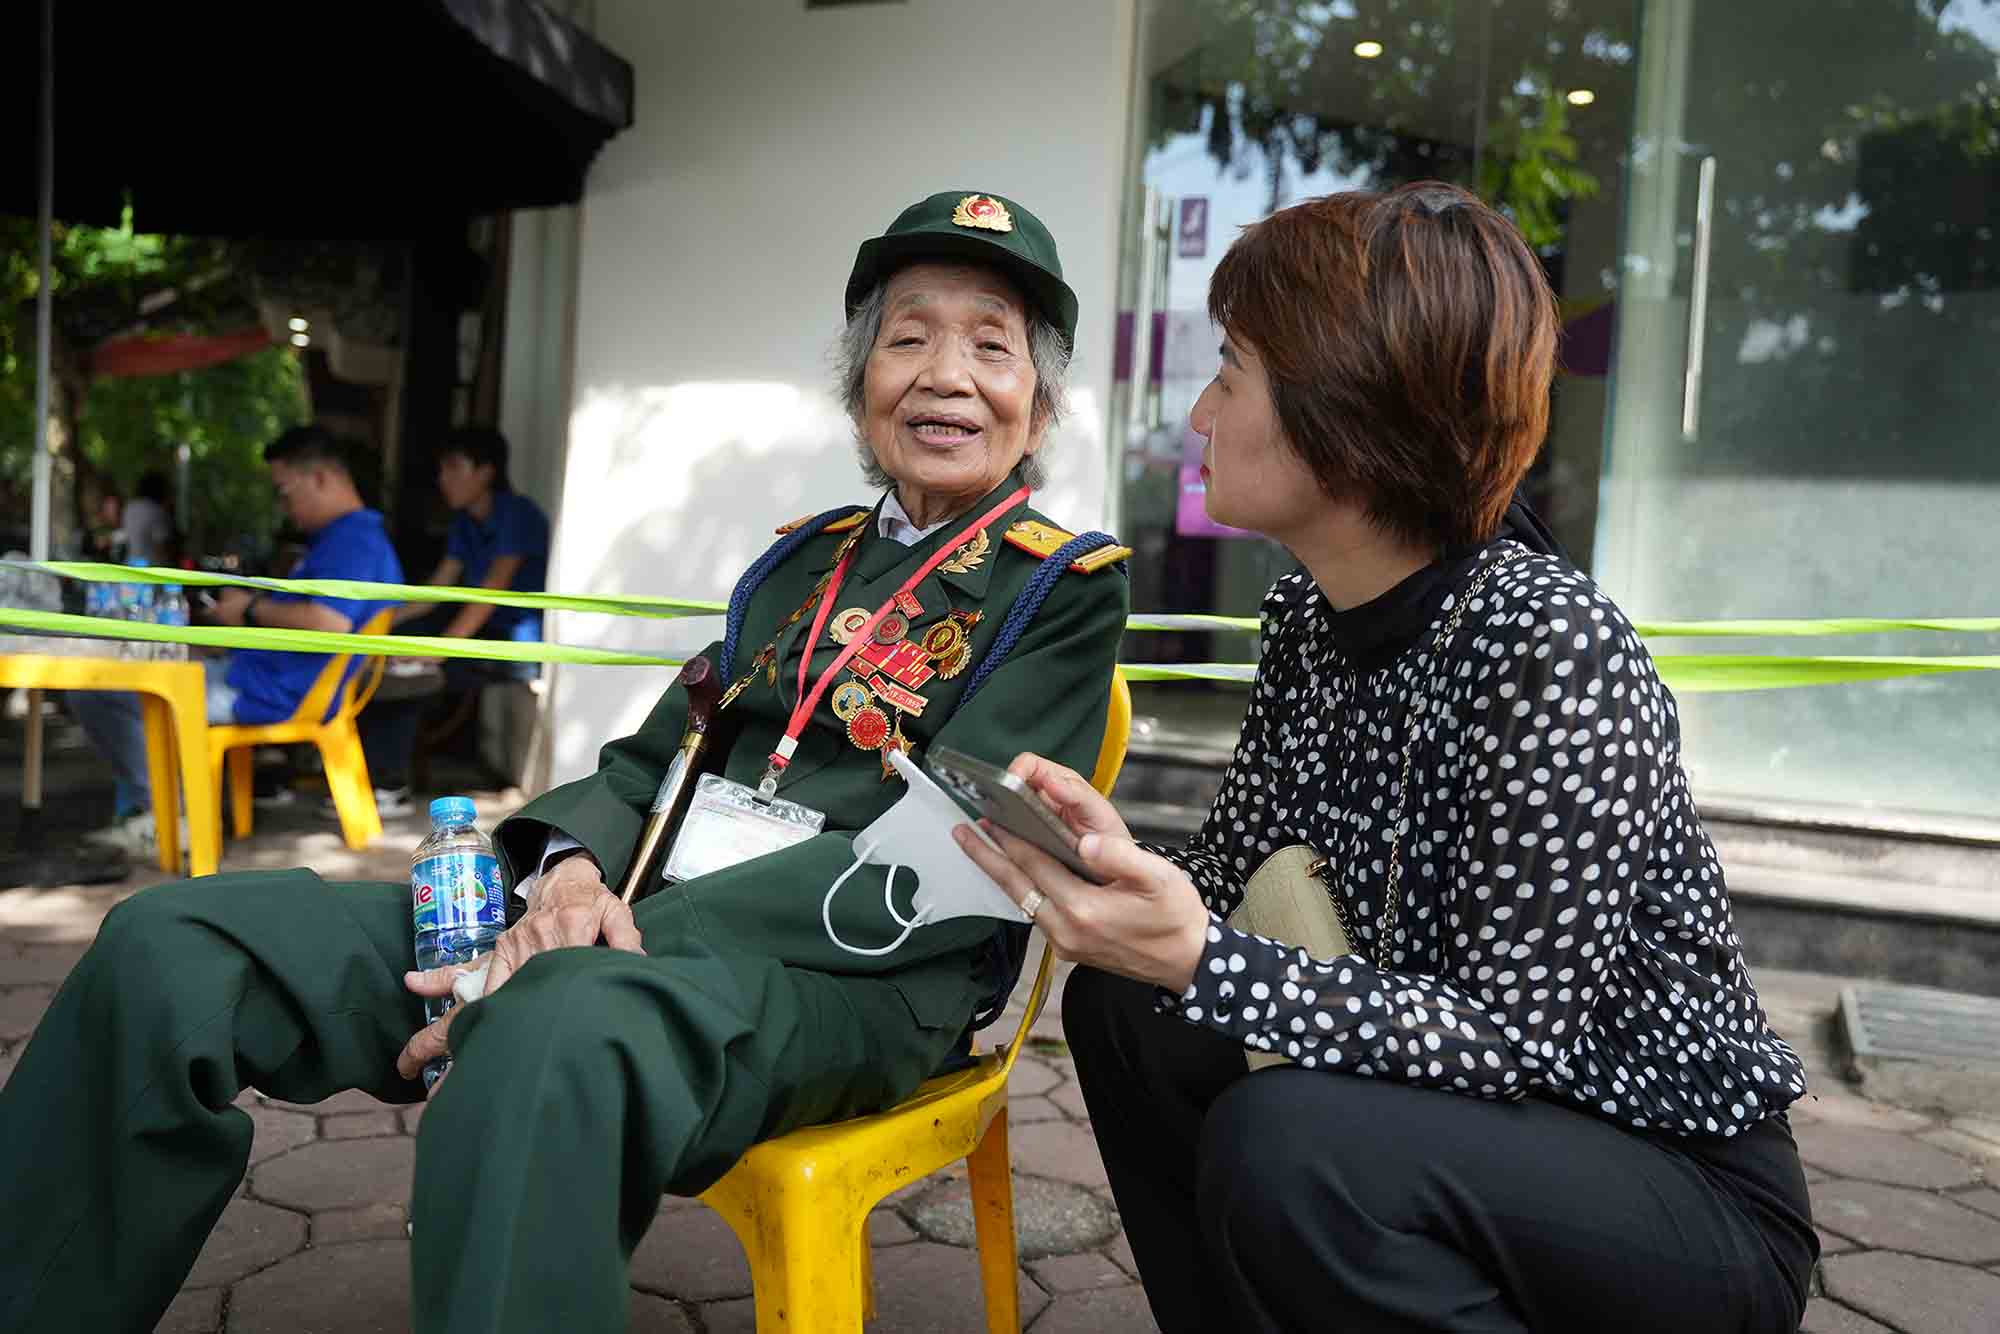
(728, 824)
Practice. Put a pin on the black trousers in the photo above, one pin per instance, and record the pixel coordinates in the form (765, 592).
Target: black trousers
(1303, 1200)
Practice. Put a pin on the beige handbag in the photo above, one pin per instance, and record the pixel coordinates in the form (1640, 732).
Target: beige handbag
(1286, 901)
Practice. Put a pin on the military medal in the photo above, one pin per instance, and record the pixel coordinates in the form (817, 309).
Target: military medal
(984, 212)
(847, 623)
(849, 698)
(906, 602)
(895, 743)
(905, 701)
(891, 628)
(868, 728)
(904, 662)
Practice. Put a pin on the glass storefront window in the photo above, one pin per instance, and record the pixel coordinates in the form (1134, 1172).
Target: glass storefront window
(1771, 231)
(1250, 105)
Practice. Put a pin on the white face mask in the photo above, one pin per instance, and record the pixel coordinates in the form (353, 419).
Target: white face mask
(916, 833)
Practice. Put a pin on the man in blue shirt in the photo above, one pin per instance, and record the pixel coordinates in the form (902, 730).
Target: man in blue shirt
(499, 539)
(310, 475)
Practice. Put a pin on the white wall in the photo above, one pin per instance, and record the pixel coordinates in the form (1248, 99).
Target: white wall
(716, 238)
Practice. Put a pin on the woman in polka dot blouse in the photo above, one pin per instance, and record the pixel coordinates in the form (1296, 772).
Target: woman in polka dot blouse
(1540, 1093)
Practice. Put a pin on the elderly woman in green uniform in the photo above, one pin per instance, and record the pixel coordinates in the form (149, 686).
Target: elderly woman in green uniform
(588, 1081)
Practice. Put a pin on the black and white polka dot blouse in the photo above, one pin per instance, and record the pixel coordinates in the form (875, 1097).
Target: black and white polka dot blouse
(1564, 928)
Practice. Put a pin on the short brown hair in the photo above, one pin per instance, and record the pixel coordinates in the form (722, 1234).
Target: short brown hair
(1409, 337)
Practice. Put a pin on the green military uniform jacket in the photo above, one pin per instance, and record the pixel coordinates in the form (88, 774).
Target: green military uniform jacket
(1049, 696)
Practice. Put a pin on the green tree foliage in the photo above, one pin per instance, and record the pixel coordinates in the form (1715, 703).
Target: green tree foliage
(110, 282)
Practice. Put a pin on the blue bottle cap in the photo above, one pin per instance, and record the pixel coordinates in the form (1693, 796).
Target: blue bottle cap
(451, 810)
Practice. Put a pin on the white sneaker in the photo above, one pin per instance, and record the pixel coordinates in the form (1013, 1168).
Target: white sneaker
(136, 836)
(390, 802)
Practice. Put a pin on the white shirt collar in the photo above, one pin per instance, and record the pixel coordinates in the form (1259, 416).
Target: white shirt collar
(894, 523)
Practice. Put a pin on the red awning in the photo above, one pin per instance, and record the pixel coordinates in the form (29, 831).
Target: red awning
(164, 354)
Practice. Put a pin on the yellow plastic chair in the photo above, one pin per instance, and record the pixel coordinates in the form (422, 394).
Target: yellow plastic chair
(338, 740)
(800, 1203)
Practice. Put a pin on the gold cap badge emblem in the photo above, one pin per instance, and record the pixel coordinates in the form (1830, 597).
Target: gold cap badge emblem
(983, 211)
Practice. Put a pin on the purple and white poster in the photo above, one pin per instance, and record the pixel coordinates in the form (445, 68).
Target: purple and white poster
(1193, 230)
(1191, 508)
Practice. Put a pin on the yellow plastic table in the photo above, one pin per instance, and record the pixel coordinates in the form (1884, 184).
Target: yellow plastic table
(176, 713)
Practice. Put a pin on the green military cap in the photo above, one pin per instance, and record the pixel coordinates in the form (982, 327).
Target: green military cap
(964, 224)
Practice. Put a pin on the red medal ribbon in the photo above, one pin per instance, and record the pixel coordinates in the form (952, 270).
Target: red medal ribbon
(803, 710)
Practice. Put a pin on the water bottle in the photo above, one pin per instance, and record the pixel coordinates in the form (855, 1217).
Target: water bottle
(456, 896)
(172, 610)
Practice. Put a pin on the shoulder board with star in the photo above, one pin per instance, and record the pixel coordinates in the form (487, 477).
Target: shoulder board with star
(1043, 540)
(839, 525)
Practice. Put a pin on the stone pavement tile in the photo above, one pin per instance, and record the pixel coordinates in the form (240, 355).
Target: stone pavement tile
(887, 1228)
(1031, 1078)
(919, 1289)
(343, 1175)
(1120, 1251)
(1978, 1127)
(1986, 1200)
(1050, 1217)
(1984, 1153)
(691, 1254)
(21, 1009)
(1915, 1295)
(1059, 1149)
(413, 1116)
(366, 1125)
(7, 1067)
(1814, 1176)
(371, 1222)
(1837, 1104)
(1891, 1219)
(1825, 1317)
(1070, 1099)
(40, 963)
(1027, 1111)
(1078, 1273)
(341, 1103)
(929, 1289)
(1879, 1155)
(656, 1315)
(246, 1238)
(1828, 1243)
(363, 1288)
(1115, 1311)
(278, 1132)
(192, 1313)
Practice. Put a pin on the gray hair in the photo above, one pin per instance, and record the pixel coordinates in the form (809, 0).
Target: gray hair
(1048, 353)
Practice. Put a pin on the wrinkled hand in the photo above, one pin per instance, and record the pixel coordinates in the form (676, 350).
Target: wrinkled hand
(1144, 921)
(570, 907)
(229, 606)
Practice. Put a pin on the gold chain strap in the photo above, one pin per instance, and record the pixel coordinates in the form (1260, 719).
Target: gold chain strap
(1385, 923)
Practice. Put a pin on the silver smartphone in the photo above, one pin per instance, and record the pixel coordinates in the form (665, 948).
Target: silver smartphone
(983, 789)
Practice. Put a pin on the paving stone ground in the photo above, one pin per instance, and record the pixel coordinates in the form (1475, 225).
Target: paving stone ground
(315, 1240)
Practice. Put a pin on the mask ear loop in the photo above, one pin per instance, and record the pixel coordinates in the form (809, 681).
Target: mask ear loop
(909, 924)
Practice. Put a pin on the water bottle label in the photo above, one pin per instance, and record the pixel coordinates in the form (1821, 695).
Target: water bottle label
(457, 889)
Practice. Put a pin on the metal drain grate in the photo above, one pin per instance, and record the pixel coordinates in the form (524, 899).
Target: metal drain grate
(1924, 1047)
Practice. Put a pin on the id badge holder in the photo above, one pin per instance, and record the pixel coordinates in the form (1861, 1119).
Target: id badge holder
(728, 823)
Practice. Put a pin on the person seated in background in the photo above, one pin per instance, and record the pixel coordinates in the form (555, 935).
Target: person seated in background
(310, 476)
(500, 540)
(147, 528)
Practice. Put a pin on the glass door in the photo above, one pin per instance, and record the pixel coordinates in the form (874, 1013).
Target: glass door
(1802, 411)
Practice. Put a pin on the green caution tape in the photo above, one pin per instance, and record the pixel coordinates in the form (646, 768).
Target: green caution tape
(1685, 673)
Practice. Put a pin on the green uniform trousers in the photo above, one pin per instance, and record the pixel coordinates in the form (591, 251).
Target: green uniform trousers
(589, 1084)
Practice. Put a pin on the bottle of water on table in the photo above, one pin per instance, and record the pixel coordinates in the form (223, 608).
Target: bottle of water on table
(457, 900)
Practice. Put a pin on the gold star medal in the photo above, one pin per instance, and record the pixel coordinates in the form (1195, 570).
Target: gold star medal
(984, 212)
(896, 742)
(850, 698)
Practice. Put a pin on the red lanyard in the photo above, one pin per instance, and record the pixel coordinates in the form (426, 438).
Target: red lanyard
(803, 710)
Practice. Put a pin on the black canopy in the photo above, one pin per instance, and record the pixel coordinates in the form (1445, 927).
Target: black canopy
(363, 118)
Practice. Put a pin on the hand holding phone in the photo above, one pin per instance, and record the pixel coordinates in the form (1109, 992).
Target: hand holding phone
(987, 791)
